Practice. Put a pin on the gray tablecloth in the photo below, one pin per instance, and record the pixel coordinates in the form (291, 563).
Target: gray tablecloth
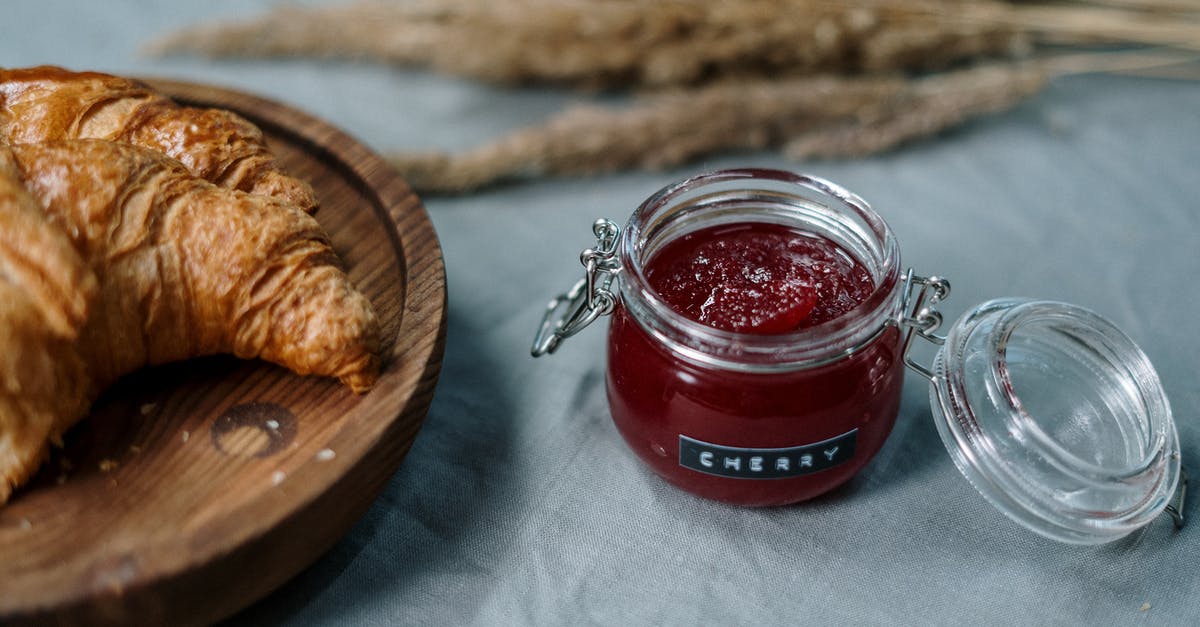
(519, 503)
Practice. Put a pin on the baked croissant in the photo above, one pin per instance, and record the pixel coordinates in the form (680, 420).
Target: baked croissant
(183, 268)
(45, 292)
(50, 103)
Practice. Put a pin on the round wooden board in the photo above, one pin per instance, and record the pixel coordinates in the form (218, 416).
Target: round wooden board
(196, 488)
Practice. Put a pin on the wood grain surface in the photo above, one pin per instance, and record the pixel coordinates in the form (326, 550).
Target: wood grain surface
(196, 488)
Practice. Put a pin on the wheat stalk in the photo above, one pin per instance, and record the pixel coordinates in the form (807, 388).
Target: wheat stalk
(623, 42)
(925, 107)
(673, 42)
(816, 78)
(1073, 25)
(807, 117)
(1149, 6)
(827, 116)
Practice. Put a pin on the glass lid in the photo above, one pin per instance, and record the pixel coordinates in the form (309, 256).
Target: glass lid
(1057, 418)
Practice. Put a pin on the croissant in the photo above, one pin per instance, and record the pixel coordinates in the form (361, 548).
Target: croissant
(182, 268)
(49, 103)
(45, 292)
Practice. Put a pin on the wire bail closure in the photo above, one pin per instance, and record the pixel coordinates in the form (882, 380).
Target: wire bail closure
(921, 317)
(590, 297)
(1175, 507)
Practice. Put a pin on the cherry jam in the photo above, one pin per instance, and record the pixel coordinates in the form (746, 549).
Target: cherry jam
(758, 278)
(751, 358)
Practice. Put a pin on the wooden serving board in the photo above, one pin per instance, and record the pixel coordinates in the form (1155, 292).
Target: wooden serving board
(196, 488)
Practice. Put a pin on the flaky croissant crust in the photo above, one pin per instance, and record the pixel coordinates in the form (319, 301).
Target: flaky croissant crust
(51, 103)
(46, 291)
(140, 262)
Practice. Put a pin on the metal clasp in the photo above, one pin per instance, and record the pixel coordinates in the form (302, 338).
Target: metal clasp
(1175, 506)
(920, 315)
(590, 297)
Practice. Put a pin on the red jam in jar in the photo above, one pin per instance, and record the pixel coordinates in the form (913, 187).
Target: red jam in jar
(753, 356)
(758, 278)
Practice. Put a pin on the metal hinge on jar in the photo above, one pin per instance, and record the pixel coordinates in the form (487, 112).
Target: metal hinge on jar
(919, 315)
(590, 298)
(1175, 506)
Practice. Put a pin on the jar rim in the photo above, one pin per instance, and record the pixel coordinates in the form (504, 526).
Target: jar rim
(805, 348)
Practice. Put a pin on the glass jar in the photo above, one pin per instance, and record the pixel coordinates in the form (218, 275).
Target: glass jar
(1051, 413)
(746, 418)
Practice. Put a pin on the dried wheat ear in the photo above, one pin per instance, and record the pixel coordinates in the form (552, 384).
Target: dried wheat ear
(826, 116)
(807, 117)
(621, 43)
(815, 78)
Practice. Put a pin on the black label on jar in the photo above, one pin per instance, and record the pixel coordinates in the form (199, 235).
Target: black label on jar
(765, 463)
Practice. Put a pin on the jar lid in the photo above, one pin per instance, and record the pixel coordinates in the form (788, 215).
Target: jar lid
(1057, 418)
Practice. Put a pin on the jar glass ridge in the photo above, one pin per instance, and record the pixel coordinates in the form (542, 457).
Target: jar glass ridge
(803, 202)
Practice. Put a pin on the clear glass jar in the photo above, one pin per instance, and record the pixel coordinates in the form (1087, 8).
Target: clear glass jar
(746, 418)
(1051, 412)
